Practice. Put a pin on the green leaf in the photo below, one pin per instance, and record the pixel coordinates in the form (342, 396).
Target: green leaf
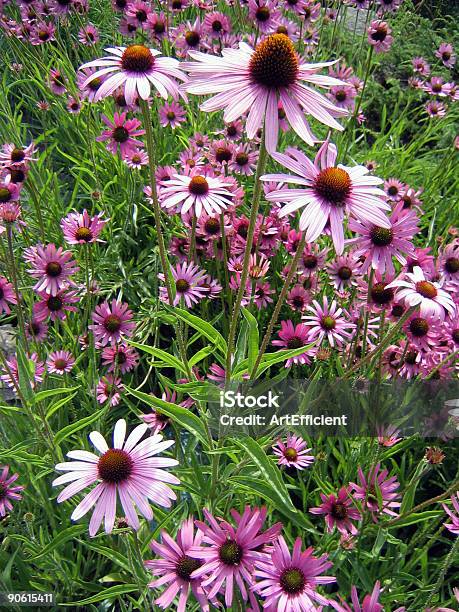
(61, 538)
(68, 430)
(203, 327)
(180, 415)
(200, 355)
(110, 553)
(269, 359)
(416, 517)
(114, 591)
(58, 405)
(26, 371)
(43, 395)
(253, 339)
(166, 358)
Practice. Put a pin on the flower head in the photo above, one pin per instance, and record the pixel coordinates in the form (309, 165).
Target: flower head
(80, 228)
(328, 192)
(254, 80)
(8, 492)
(293, 453)
(292, 337)
(53, 268)
(188, 279)
(196, 192)
(128, 470)
(454, 525)
(329, 321)
(377, 492)
(112, 322)
(60, 362)
(7, 295)
(339, 511)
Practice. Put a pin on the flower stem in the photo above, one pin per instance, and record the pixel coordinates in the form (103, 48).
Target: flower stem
(261, 165)
(279, 303)
(9, 237)
(447, 564)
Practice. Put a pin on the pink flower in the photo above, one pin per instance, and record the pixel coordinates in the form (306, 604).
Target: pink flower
(11, 377)
(420, 66)
(288, 582)
(53, 269)
(445, 52)
(454, 525)
(293, 337)
(109, 390)
(377, 494)
(339, 511)
(171, 114)
(329, 322)
(380, 244)
(112, 322)
(293, 453)
(216, 24)
(370, 602)
(88, 35)
(244, 160)
(8, 492)
(264, 14)
(12, 156)
(135, 68)
(298, 298)
(7, 295)
(231, 552)
(253, 80)
(344, 271)
(55, 306)
(379, 36)
(175, 567)
(449, 264)
(121, 134)
(128, 469)
(327, 193)
(60, 362)
(188, 279)
(80, 228)
(435, 109)
(416, 290)
(120, 357)
(197, 193)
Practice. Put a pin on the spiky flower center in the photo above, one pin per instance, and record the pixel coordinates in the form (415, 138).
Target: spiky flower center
(344, 273)
(5, 194)
(292, 581)
(182, 285)
(60, 364)
(230, 552)
(397, 310)
(419, 327)
(341, 95)
(223, 154)
(54, 303)
(141, 15)
(217, 25)
(455, 336)
(298, 301)
(291, 454)
(310, 262)
(263, 14)
(159, 27)
(242, 159)
(231, 130)
(17, 175)
(452, 265)
(381, 295)
(198, 186)
(112, 323)
(17, 155)
(294, 342)
(274, 62)
(186, 566)
(137, 58)
(282, 30)
(380, 33)
(120, 357)
(410, 357)
(426, 289)
(192, 38)
(3, 490)
(83, 233)
(333, 185)
(446, 55)
(381, 236)
(120, 134)
(53, 269)
(339, 511)
(170, 115)
(115, 465)
(328, 323)
(212, 226)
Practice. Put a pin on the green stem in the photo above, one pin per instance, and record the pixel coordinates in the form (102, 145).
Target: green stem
(447, 564)
(248, 249)
(14, 277)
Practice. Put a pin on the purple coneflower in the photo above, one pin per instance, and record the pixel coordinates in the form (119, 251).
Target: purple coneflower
(112, 322)
(252, 80)
(339, 511)
(423, 332)
(289, 582)
(135, 68)
(88, 35)
(445, 52)
(293, 337)
(298, 298)
(171, 114)
(196, 193)
(328, 322)
(8, 492)
(109, 389)
(369, 604)
(175, 567)
(343, 271)
(377, 494)
(327, 192)
(379, 36)
(454, 525)
(36, 331)
(416, 290)
(378, 245)
(157, 25)
(120, 357)
(264, 14)
(188, 279)
(231, 552)
(121, 135)
(388, 436)
(11, 155)
(136, 158)
(55, 306)
(53, 268)
(7, 295)
(420, 66)
(57, 82)
(128, 469)
(11, 377)
(293, 453)
(188, 37)
(216, 24)
(435, 109)
(343, 96)
(244, 160)
(80, 228)
(60, 362)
